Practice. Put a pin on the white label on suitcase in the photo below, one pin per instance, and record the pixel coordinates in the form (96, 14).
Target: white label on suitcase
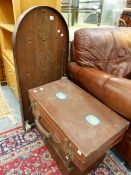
(92, 120)
(67, 157)
(79, 152)
(41, 89)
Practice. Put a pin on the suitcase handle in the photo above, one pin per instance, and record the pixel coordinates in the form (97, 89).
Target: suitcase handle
(44, 132)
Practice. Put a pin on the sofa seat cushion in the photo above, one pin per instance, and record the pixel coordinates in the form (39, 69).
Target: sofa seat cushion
(107, 49)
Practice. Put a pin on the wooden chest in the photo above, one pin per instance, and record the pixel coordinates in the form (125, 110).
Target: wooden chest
(79, 126)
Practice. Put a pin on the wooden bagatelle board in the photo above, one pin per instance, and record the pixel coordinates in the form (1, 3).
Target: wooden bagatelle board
(82, 127)
(40, 44)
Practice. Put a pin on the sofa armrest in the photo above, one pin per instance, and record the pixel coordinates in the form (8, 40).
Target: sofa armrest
(89, 79)
(112, 91)
(117, 95)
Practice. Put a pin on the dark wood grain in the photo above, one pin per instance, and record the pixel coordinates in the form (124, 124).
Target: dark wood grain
(40, 43)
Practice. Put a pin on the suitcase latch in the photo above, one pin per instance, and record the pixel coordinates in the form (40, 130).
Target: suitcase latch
(68, 149)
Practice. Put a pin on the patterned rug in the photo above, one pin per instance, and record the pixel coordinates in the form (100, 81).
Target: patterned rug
(25, 154)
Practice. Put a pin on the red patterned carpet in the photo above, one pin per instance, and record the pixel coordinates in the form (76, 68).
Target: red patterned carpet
(25, 154)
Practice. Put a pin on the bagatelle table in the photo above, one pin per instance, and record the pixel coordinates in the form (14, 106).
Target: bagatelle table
(78, 128)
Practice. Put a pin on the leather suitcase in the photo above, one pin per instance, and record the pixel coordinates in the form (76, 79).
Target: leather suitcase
(80, 128)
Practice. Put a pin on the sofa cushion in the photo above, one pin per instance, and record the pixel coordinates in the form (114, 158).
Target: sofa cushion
(107, 49)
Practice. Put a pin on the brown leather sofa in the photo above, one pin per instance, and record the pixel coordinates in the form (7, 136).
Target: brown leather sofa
(101, 64)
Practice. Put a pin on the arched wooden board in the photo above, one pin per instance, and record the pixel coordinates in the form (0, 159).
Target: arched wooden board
(40, 45)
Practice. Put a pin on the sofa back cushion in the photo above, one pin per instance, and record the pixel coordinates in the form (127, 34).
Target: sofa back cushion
(107, 49)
